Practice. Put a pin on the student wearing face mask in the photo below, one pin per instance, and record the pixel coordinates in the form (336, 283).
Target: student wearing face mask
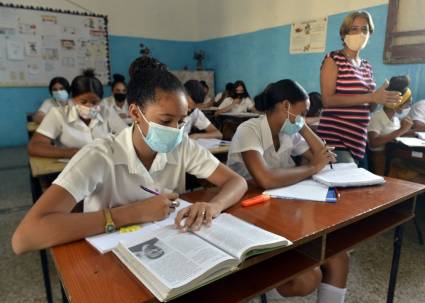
(262, 150)
(238, 102)
(195, 117)
(348, 91)
(59, 90)
(389, 123)
(66, 129)
(118, 100)
(109, 173)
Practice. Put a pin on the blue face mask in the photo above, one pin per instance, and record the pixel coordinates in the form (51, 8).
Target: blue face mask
(60, 95)
(290, 128)
(161, 139)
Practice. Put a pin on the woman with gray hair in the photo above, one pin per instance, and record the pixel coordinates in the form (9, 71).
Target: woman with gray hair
(348, 90)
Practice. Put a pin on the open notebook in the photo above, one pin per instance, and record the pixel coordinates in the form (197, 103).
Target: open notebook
(347, 175)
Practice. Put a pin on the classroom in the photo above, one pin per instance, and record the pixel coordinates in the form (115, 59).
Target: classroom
(212, 151)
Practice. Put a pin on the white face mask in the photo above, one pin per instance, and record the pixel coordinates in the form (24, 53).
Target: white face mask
(356, 42)
(86, 112)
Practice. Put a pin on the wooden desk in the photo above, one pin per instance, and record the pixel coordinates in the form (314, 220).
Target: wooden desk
(45, 166)
(397, 150)
(228, 122)
(318, 231)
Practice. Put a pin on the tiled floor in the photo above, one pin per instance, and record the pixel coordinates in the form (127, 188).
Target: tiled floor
(21, 278)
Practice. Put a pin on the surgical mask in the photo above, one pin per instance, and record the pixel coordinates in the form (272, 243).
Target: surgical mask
(60, 95)
(86, 112)
(120, 97)
(160, 138)
(290, 128)
(356, 42)
(403, 114)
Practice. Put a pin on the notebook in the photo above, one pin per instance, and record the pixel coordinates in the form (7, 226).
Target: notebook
(410, 141)
(304, 190)
(420, 135)
(347, 175)
(212, 143)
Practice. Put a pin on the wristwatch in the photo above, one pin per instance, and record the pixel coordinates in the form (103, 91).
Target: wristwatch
(109, 223)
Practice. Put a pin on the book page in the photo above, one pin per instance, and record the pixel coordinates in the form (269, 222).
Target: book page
(305, 190)
(236, 236)
(176, 258)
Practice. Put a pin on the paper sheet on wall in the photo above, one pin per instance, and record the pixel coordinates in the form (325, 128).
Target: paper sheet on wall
(308, 36)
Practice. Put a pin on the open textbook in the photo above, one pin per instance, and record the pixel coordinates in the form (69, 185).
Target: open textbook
(170, 263)
(347, 175)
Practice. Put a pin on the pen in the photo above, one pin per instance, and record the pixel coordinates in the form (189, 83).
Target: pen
(255, 200)
(330, 163)
(174, 203)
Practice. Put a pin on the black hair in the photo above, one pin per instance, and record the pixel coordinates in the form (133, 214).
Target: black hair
(229, 87)
(62, 81)
(142, 87)
(145, 62)
(241, 83)
(86, 83)
(118, 78)
(399, 83)
(280, 91)
(315, 104)
(195, 90)
(204, 84)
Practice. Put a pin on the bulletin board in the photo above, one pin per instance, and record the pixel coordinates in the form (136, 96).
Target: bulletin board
(37, 44)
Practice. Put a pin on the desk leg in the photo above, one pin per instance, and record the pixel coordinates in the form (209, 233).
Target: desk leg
(36, 193)
(398, 241)
(418, 231)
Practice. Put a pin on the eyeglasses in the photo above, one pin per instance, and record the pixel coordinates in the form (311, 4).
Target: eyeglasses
(357, 29)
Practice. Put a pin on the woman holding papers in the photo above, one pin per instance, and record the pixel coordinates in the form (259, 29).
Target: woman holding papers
(262, 150)
(134, 177)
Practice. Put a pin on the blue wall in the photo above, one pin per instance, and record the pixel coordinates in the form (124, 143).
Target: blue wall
(261, 57)
(16, 102)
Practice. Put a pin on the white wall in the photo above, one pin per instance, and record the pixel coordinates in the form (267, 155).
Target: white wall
(195, 20)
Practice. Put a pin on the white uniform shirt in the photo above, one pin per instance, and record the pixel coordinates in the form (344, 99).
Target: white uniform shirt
(382, 125)
(65, 126)
(108, 173)
(50, 103)
(218, 97)
(245, 105)
(110, 102)
(197, 119)
(255, 134)
(417, 112)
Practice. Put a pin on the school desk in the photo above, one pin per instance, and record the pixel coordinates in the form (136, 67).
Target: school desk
(228, 122)
(318, 231)
(397, 150)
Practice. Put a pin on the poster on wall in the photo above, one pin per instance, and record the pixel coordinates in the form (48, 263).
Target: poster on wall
(308, 36)
(38, 44)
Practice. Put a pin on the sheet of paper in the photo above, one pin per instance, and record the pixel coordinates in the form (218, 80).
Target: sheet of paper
(412, 142)
(304, 190)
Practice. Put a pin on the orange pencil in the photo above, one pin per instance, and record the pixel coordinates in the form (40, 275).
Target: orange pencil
(255, 200)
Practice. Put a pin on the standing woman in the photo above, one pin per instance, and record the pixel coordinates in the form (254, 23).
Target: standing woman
(118, 100)
(348, 89)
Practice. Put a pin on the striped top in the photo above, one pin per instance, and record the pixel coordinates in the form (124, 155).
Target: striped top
(346, 127)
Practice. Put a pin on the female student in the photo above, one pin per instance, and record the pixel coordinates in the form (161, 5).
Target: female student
(113, 175)
(316, 106)
(238, 102)
(389, 123)
(196, 118)
(418, 115)
(118, 100)
(261, 150)
(77, 124)
(348, 89)
(59, 90)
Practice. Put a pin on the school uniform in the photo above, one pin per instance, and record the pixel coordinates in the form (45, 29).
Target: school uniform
(245, 105)
(381, 125)
(65, 126)
(196, 118)
(50, 103)
(110, 102)
(218, 97)
(255, 134)
(108, 172)
(417, 112)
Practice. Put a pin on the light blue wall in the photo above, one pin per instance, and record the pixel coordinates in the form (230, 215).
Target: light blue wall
(16, 102)
(261, 57)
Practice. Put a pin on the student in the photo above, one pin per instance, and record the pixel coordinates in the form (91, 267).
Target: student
(238, 102)
(206, 89)
(316, 105)
(228, 89)
(385, 124)
(261, 150)
(59, 90)
(118, 100)
(77, 124)
(196, 95)
(108, 174)
(418, 115)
